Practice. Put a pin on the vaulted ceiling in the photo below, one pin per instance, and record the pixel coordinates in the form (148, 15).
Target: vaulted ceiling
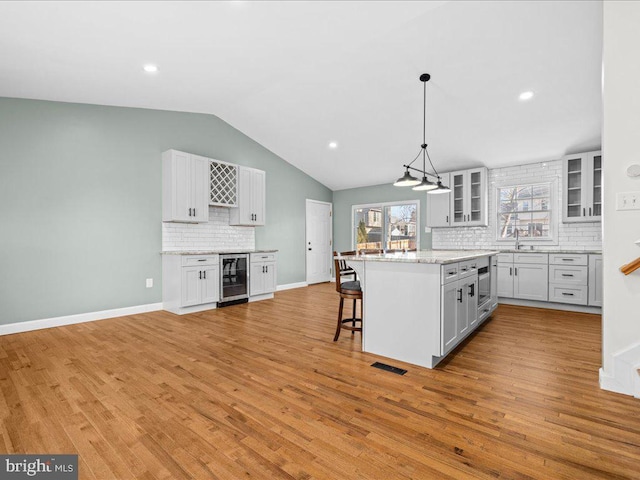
(295, 76)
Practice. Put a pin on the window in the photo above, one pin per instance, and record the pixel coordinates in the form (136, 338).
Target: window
(386, 226)
(527, 209)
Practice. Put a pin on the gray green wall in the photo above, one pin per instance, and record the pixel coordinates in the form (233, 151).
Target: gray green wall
(80, 203)
(344, 199)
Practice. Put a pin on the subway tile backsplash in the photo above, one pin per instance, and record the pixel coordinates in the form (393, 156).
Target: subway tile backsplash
(216, 234)
(574, 236)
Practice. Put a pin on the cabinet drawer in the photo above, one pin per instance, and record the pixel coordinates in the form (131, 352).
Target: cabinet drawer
(568, 259)
(533, 258)
(576, 294)
(193, 260)
(262, 257)
(505, 257)
(450, 273)
(568, 274)
(467, 268)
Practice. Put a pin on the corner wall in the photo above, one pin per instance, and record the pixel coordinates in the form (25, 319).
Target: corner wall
(621, 317)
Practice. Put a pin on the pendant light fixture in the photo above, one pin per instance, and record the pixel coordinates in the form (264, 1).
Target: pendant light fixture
(408, 180)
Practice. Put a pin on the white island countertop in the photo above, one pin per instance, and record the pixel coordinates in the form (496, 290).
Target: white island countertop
(424, 256)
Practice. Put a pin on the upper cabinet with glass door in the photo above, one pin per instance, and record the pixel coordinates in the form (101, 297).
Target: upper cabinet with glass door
(468, 200)
(582, 187)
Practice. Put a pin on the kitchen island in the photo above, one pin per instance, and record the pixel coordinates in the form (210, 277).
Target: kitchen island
(418, 306)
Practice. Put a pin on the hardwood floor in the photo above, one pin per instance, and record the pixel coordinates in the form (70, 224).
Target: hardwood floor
(261, 391)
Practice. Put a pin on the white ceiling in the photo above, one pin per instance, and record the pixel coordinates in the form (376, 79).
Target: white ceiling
(296, 75)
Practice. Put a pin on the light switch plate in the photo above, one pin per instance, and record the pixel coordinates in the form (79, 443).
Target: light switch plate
(149, 282)
(628, 201)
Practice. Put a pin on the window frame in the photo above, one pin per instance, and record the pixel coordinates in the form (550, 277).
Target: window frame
(553, 212)
(382, 206)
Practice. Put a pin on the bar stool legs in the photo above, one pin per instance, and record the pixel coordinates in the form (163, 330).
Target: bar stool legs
(343, 322)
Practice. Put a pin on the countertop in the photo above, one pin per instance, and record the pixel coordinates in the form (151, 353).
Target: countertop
(213, 252)
(425, 256)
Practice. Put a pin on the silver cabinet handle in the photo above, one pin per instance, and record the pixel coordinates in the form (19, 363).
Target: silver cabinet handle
(460, 295)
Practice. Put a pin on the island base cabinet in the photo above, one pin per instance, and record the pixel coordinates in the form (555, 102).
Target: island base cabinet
(459, 311)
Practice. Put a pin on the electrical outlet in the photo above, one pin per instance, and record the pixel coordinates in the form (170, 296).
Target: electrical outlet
(628, 201)
(149, 282)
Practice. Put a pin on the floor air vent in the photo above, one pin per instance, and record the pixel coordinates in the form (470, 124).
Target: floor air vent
(389, 368)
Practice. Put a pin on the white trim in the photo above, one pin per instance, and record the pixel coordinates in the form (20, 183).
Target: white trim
(386, 204)
(30, 325)
(257, 298)
(610, 383)
(289, 286)
(565, 307)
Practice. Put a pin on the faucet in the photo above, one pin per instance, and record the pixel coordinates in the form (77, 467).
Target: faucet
(517, 239)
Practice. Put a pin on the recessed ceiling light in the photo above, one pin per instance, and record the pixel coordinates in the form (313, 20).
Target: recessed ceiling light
(333, 145)
(149, 68)
(528, 95)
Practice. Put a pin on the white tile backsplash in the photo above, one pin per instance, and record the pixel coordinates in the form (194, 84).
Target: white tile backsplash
(216, 234)
(571, 236)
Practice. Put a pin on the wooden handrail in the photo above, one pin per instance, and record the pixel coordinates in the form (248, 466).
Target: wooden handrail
(630, 267)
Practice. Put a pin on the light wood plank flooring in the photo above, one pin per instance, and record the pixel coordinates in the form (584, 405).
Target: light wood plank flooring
(261, 391)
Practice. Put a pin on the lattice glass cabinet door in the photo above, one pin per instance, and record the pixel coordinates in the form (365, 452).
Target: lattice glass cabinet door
(223, 184)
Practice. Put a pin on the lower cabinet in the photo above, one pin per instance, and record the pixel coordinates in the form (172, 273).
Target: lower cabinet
(190, 282)
(263, 273)
(459, 310)
(523, 275)
(200, 285)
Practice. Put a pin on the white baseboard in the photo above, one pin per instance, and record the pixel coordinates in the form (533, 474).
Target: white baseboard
(608, 382)
(30, 325)
(289, 286)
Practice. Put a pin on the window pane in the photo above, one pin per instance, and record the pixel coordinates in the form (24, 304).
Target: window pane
(525, 209)
(401, 226)
(368, 226)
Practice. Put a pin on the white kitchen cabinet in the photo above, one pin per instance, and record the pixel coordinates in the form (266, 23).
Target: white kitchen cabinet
(185, 187)
(200, 285)
(582, 187)
(251, 198)
(595, 280)
(524, 276)
(568, 278)
(468, 197)
(190, 283)
(263, 274)
(459, 310)
(438, 206)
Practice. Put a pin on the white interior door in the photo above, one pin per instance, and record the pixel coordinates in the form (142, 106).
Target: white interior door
(318, 241)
